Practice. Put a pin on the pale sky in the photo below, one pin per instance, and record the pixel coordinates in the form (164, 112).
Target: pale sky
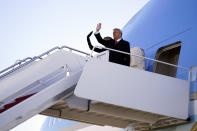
(31, 27)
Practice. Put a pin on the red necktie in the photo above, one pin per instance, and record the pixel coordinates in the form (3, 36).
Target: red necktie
(116, 42)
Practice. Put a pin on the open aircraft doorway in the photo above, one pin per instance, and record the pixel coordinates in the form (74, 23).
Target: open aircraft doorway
(169, 54)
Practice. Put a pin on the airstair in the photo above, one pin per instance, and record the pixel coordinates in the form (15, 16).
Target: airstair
(70, 84)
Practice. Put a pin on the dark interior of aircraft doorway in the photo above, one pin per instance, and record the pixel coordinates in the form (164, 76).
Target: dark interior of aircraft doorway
(169, 54)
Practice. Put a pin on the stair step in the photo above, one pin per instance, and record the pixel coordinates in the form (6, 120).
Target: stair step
(17, 101)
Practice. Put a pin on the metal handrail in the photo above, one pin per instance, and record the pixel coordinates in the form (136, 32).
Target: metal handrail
(140, 57)
(75, 50)
(18, 63)
(47, 52)
(187, 69)
(34, 59)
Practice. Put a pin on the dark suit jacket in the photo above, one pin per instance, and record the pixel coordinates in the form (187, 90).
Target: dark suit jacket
(90, 45)
(116, 57)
